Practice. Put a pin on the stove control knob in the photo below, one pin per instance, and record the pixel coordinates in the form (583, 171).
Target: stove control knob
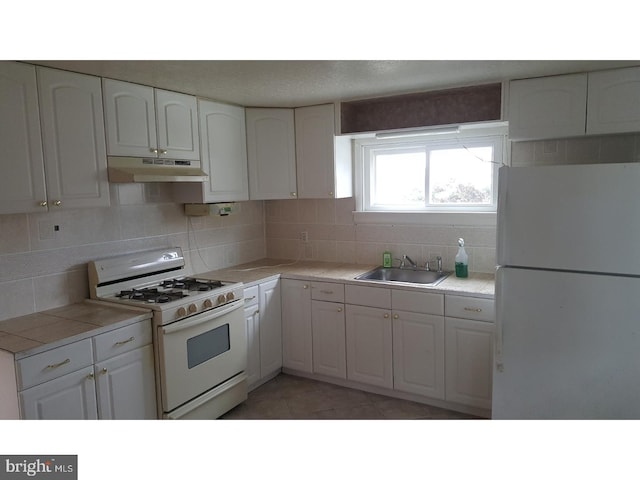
(181, 312)
(193, 308)
(207, 303)
(221, 299)
(230, 296)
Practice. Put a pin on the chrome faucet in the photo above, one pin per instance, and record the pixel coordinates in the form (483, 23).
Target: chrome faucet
(408, 259)
(439, 259)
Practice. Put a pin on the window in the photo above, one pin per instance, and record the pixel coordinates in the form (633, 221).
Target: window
(456, 174)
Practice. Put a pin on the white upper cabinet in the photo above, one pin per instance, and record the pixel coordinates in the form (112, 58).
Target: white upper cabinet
(323, 160)
(271, 153)
(177, 121)
(614, 101)
(130, 119)
(22, 187)
(223, 143)
(146, 122)
(73, 138)
(547, 107)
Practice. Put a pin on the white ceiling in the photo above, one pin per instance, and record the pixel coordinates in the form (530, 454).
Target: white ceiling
(294, 83)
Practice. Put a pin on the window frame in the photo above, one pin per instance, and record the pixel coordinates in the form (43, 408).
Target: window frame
(471, 136)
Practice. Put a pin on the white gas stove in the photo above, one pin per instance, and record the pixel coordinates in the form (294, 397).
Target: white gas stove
(199, 329)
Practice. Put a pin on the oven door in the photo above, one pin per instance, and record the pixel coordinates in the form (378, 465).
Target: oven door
(200, 352)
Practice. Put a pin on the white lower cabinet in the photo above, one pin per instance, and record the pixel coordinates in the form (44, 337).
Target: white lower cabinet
(109, 376)
(296, 325)
(369, 345)
(329, 338)
(263, 316)
(69, 397)
(418, 353)
(131, 372)
(469, 351)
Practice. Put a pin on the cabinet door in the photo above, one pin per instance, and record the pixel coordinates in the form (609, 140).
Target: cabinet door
(130, 119)
(369, 345)
(270, 328)
(70, 397)
(73, 139)
(328, 334)
(223, 142)
(271, 153)
(418, 353)
(315, 151)
(614, 101)
(22, 187)
(296, 326)
(469, 361)
(252, 319)
(548, 107)
(177, 121)
(126, 387)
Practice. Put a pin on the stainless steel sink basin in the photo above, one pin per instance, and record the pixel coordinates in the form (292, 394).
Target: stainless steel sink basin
(404, 275)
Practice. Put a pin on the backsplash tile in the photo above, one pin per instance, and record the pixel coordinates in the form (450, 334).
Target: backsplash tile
(42, 267)
(335, 237)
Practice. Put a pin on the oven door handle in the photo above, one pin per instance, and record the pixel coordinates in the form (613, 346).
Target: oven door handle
(203, 318)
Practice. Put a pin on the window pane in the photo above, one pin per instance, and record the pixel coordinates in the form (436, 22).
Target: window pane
(399, 179)
(461, 176)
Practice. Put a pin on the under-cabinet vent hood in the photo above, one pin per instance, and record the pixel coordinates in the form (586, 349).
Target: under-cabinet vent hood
(137, 170)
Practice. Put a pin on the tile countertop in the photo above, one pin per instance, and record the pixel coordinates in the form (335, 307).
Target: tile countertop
(30, 334)
(477, 285)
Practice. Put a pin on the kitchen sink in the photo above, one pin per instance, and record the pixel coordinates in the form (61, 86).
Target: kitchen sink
(404, 275)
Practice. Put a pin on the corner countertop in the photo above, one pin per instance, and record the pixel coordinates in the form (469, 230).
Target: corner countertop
(30, 334)
(477, 285)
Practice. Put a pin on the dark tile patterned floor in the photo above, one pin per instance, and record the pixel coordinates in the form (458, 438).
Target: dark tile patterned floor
(291, 397)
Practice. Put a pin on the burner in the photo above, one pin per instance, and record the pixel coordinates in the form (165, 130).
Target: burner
(200, 285)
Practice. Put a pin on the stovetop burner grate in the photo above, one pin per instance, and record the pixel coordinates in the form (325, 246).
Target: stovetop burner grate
(192, 284)
(151, 295)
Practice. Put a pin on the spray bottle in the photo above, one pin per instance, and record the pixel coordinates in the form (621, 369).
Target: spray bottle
(462, 261)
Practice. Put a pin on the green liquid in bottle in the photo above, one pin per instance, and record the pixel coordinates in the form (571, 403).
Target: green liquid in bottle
(462, 270)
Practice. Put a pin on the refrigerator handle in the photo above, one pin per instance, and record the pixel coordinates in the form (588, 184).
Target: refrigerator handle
(503, 179)
(497, 354)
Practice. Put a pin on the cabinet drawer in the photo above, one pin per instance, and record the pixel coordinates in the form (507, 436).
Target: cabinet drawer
(329, 292)
(368, 296)
(122, 340)
(419, 302)
(251, 296)
(469, 307)
(54, 363)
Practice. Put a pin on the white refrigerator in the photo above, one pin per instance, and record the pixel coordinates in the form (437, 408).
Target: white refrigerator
(568, 293)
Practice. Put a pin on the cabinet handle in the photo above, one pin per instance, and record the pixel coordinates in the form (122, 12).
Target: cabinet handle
(327, 292)
(122, 342)
(305, 286)
(339, 309)
(153, 150)
(90, 376)
(43, 203)
(56, 365)
(386, 315)
(294, 194)
(396, 316)
(249, 299)
(163, 152)
(103, 371)
(470, 309)
(331, 194)
(57, 203)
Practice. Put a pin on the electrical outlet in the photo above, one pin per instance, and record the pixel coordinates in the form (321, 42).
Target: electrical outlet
(304, 236)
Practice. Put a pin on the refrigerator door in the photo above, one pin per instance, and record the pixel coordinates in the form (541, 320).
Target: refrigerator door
(567, 346)
(570, 217)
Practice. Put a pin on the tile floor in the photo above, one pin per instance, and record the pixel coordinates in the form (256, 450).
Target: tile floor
(291, 397)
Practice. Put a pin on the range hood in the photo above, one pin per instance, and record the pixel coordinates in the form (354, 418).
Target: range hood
(138, 170)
